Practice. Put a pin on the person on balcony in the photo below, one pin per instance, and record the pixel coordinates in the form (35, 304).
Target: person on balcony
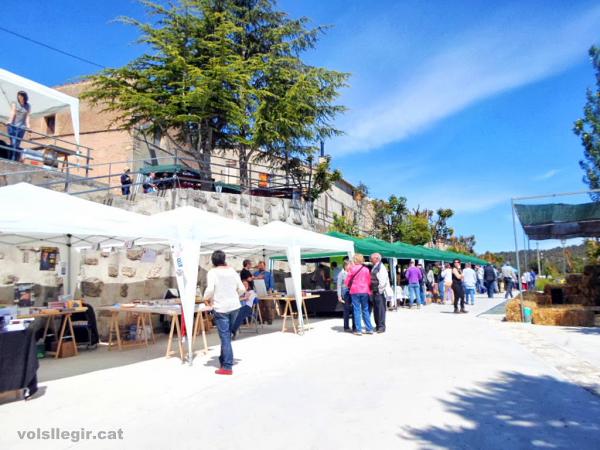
(18, 123)
(126, 182)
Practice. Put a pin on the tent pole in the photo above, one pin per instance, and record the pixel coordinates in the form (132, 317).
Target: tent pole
(69, 261)
(512, 204)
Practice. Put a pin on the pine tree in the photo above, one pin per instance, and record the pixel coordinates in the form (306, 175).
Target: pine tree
(588, 130)
(228, 75)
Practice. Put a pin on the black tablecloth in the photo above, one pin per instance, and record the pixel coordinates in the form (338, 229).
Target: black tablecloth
(18, 361)
(326, 304)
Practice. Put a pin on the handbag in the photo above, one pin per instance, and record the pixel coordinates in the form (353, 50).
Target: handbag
(353, 276)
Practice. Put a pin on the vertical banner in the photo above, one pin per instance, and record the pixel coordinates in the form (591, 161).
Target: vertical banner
(186, 257)
(293, 256)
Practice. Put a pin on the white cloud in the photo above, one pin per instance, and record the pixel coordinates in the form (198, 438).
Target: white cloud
(504, 54)
(461, 200)
(547, 175)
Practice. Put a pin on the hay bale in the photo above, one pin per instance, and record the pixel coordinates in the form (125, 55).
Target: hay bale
(566, 316)
(513, 309)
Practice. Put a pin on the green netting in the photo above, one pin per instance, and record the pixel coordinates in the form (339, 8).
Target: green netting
(560, 220)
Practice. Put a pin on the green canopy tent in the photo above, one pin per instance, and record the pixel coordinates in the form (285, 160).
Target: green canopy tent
(559, 220)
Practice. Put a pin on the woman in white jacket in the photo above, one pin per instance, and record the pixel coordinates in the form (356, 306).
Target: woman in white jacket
(223, 290)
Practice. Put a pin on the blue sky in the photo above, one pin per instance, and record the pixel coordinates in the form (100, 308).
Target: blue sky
(452, 104)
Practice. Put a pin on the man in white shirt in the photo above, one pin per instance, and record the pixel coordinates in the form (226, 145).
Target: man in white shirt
(380, 283)
(470, 281)
(480, 285)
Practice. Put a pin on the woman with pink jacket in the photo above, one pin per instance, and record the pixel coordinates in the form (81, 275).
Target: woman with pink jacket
(359, 285)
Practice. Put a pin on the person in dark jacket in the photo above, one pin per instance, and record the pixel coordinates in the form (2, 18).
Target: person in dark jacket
(126, 182)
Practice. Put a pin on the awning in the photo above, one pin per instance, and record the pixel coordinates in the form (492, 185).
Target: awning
(560, 220)
(43, 100)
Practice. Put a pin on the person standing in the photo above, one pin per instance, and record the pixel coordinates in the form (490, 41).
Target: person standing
(126, 182)
(223, 290)
(335, 272)
(447, 274)
(18, 123)
(422, 284)
(414, 277)
(470, 282)
(380, 286)
(532, 280)
(359, 285)
(344, 296)
(509, 276)
(267, 308)
(489, 279)
(457, 287)
(440, 281)
(479, 271)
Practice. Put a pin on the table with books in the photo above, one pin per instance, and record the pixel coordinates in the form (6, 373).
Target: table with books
(288, 311)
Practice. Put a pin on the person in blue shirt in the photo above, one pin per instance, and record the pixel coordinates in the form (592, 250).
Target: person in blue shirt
(267, 308)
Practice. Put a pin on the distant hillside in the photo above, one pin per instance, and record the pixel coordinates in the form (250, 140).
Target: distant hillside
(554, 257)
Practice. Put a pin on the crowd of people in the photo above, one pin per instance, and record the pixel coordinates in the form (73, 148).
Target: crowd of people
(364, 289)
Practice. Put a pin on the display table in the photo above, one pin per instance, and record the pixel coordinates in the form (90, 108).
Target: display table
(50, 315)
(18, 361)
(288, 311)
(144, 313)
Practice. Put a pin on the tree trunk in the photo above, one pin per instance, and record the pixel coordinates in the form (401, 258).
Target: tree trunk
(244, 160)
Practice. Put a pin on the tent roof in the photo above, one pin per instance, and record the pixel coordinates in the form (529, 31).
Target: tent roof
(43, 100)
(560, 220)
(309, 241)
(31, 213)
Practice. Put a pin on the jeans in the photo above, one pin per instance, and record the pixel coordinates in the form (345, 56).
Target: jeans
(360, 305)
(244, 312)
(413, 293)
(441, 289)
(470, 294)
(422, 294)
(16, 134)
(126, 189)
(379, 309)
(508, 283)
(348, 313)
(489, 286)
(225, 323)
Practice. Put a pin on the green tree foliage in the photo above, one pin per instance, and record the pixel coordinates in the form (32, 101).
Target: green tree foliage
(415, 228)
(588, 130)
(462, 244)
(225, 74)
(440, 230)
(343, 224)
(388, 217)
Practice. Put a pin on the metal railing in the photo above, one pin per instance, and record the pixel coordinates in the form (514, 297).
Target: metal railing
(51, 148)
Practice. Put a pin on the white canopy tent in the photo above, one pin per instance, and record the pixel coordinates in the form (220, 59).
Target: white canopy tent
(298, 240)
(31, 214)
(43, 100)
(196, 231)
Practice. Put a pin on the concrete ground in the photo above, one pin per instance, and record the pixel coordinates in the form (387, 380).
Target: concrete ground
(433, 380)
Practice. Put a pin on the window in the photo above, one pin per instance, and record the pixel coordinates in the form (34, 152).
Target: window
(316, 212)
(50, 124)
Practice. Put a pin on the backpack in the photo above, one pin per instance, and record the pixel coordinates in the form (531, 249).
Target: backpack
(489, 274)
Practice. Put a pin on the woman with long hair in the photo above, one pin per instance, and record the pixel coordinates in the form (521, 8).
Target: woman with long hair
(223, 290)
(458, 288)
(18, 123)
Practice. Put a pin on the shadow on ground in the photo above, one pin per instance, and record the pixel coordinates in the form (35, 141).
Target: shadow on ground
(517, 411)
(584, 330)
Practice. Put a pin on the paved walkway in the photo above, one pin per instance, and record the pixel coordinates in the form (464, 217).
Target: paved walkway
(434, 380)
